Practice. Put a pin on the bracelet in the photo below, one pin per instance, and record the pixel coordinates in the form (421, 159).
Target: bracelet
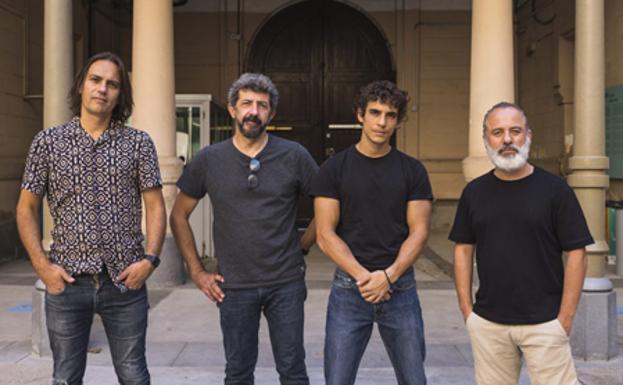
(389, 282)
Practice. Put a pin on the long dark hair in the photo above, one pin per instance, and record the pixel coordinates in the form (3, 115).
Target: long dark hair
(123, 109)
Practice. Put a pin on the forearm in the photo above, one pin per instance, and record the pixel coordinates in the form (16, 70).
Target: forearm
(309, 236)
(410, 250)
(575, 271)
(155, 219)
(463, 273)
(28, 227)
(185, 241)
(339, 252)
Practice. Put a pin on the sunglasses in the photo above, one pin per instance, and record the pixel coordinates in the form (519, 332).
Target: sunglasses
(252, 180)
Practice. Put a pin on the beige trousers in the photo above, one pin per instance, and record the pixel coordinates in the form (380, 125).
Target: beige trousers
(498, 349)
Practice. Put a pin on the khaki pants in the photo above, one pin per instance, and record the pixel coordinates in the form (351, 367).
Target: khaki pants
(498, 348)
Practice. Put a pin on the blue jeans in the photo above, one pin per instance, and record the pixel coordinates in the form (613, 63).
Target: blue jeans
(349, 325)
(124, 315)
(282, 306)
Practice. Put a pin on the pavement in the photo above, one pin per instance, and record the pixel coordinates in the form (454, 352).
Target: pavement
(184, 341)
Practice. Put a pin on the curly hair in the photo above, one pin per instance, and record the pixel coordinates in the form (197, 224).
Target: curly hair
(256, 83)
(382, 91)
(123, 109)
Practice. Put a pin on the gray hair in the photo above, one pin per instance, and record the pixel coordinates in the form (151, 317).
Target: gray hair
(256, 83)
(499, 106)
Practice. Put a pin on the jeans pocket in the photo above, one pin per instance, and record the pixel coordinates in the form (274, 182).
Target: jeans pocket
(53, 294)
(404, 283)
(343, 281)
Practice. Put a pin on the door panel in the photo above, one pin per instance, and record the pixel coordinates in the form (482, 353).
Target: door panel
(319, 53)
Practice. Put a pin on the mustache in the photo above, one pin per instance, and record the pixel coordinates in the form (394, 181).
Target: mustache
(252, 119)
(506, 147)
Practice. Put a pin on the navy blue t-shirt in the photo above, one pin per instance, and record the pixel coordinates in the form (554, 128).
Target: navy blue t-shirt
(520, 229)
(373, 195)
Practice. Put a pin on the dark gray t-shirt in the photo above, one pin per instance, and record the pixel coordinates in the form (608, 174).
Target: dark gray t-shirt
(255, 236)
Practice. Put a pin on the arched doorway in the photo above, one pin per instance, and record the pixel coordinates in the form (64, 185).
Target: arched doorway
(319, 53)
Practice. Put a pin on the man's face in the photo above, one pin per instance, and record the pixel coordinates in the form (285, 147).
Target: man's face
(251, 113)
(379, 122)
(101, 88)
(507, 139)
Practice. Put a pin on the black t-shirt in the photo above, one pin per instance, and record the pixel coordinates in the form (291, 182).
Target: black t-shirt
(520, 229)
(373, 195)
(255, 236)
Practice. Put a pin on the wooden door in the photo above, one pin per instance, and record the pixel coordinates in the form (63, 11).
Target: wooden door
(319, 53)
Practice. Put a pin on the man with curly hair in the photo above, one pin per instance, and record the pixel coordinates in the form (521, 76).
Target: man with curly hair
(372, 207)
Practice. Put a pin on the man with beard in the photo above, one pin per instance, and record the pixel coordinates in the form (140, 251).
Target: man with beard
(253, 181)
(520, 219)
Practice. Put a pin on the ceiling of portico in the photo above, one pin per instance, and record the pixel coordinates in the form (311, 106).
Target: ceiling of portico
(266, 6)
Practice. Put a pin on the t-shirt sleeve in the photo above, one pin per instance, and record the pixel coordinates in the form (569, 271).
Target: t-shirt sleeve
(419, 185)
(307, 169)
(36, 171)
(148, 167)
(191, 182)
(571, 229)
(462, 229)
(324, 183)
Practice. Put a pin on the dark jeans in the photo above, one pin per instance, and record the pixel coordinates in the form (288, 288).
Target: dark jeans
(349, 325)
(282, 306)
(124, 315)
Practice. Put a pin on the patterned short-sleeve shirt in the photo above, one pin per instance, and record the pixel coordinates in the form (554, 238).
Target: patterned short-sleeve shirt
(94, 190)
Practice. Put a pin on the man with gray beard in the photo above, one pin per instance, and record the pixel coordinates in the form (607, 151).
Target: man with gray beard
(520, 219)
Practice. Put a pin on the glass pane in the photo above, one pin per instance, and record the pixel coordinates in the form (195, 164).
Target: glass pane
(221, 128)
(182, 121)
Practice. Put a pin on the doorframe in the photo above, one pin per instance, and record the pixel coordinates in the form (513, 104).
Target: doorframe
(201, 219)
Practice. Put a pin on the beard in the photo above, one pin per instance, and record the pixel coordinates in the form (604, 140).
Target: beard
(509, 163)
(254, 130)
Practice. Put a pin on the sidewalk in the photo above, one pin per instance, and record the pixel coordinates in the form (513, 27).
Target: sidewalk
(184, 340)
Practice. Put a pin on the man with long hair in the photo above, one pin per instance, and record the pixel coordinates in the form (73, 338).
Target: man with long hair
(95, 171)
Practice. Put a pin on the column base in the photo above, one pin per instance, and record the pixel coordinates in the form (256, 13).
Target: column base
(39, 336)
(475, 166)
(594, 333)
(172, 270)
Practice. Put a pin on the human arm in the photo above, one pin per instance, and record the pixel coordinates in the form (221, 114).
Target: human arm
(135, 275)
(575, 271)
(418, 221)
(309, 236)
(327, 212)
(27, 215)
(463, 273)
(180, 225)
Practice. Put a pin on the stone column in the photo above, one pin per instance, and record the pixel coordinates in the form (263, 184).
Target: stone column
(594, 335)
(491, 74)
(58, 72)
(153, 81)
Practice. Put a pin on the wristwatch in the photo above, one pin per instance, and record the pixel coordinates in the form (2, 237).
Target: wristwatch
(153, 259)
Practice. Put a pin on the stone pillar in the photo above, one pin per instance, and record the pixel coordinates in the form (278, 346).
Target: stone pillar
(491, 75)
(58, 72)
(594, 332)
(153, 81)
